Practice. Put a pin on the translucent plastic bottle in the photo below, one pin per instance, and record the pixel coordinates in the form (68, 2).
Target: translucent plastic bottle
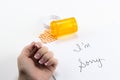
(62, 27)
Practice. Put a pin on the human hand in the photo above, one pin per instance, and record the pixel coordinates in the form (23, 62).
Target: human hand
(36, 62)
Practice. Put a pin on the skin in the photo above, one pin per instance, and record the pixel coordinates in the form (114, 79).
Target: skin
(36, 62)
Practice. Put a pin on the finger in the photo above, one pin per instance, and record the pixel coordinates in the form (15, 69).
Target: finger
(46, 57)
(38, 44)
(29, 49)
(43, 50)
(52, 62)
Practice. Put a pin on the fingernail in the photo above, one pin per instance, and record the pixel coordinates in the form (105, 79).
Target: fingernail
(37, 56)
(41, 61)
(37, 45)
(46, 63)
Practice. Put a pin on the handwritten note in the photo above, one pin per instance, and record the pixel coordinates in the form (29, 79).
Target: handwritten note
(82, 46)
(78, 50)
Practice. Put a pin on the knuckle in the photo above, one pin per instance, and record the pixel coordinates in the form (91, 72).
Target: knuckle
(43, 50)
(51, 53)
(46, 56)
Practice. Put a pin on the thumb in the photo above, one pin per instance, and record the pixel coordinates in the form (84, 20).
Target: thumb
(27, 49)
(31, 48)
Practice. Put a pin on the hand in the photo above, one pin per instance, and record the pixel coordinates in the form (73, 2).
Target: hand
(36, 62)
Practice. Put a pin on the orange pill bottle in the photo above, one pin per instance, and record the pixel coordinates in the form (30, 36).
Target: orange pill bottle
(62, 27)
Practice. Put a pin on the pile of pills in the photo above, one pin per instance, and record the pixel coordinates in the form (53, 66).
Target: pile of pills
(46, 37)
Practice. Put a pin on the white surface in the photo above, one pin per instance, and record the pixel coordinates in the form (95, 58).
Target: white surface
(99, 25)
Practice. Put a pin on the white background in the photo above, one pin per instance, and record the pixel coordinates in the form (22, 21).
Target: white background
(98, 20)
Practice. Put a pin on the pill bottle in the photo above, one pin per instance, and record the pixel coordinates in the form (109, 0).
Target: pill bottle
(63, 27)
